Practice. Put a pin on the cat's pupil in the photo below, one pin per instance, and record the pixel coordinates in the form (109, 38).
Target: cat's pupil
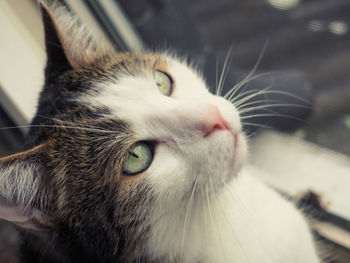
(133, 154)
(139, 159)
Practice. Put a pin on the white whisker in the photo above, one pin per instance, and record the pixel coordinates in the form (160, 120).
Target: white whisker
(248, 78)
(275, 92)
(256, 125)
(58, 126)
(212, 195)
(270, 115)
(268, 106)
(224, 71)
(235, 89)
(245, 213)
(234, 235)
(188, 211)
(257, 63)
(241, 100)
(216, 75)
(257, 103)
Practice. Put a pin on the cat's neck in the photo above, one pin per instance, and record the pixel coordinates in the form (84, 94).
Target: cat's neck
(235, 226)
(196, 231)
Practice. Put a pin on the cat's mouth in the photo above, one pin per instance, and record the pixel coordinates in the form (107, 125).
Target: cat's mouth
(229, 146)
(218, 129)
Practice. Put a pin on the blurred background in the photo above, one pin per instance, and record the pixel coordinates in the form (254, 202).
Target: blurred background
(297, 50)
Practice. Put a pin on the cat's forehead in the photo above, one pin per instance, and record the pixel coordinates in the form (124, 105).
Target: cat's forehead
(113, 67)
(120, 65)
(117, 68)
(127, 78)
(121, 68)
(134, 64)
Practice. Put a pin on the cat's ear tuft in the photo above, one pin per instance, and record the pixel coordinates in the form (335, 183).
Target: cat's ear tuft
(22, 197)
(57, 58)
(69, 45)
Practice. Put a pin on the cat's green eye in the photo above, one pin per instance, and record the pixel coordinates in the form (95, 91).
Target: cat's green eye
(163, 82)
(139, 159)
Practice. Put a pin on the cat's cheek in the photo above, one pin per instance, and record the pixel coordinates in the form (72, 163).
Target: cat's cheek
(166, 167)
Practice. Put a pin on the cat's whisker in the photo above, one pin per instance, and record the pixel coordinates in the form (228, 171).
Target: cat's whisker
(274, 92)
(257, 103)
(18, 127)
(240, 101)
(207, 211)
(57, 126)
(247, 78)
(212, 210)
(271, 115)
(253, 134)
(206, 223)
(212, 197)
(71, 123)
(237, 101)
(216, 75)
(242, 94)
(245, 213)
(235, 89)
(256, 125)
(209, 208)
(268, 106)
(224, 71)
(58, 123)
(262, 115)
(233, 232)
(257, 63)
(188, 211)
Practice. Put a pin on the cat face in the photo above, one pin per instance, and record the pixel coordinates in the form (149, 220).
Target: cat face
(119, 145)
(195, 136)
(198, 145)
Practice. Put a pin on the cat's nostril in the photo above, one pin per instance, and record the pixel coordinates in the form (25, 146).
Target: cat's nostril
(218, 127)
(213, 120)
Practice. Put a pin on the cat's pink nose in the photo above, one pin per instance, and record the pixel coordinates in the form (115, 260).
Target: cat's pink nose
(212, 120)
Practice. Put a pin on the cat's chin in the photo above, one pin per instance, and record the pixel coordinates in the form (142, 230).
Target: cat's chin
(220, 132)
(235, 141)
(226, 155)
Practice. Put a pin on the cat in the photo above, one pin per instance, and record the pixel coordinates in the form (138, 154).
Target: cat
(131, 159)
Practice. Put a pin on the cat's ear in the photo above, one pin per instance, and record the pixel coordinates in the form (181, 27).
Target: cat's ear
(69, 45)
(57, 59)
(22, 199)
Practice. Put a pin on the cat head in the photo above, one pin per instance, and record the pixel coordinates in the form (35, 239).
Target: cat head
(119, 142)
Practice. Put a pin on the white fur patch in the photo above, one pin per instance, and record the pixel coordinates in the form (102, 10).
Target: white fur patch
(19, 183)
(197, 216)
(246, 222)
